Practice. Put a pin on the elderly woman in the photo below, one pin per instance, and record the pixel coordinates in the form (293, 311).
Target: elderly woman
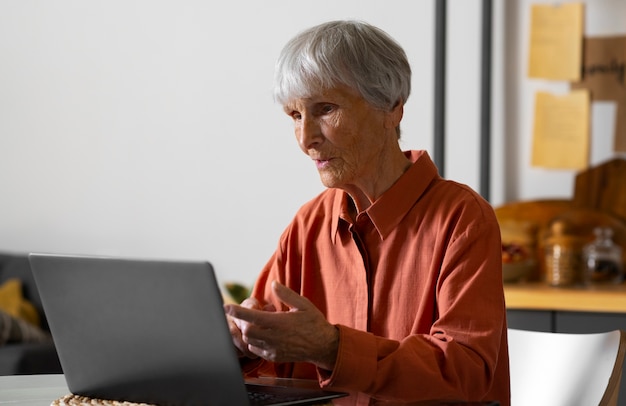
(389, 282)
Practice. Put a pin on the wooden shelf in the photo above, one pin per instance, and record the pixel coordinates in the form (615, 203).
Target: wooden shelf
(539, 296)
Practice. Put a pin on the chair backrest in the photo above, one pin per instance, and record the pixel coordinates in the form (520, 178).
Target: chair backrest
(559, 369)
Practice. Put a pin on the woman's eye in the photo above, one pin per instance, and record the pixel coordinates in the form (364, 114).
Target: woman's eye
(295, 115)
(327, 108)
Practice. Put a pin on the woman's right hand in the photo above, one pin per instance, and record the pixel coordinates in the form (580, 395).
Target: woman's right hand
(237, 327)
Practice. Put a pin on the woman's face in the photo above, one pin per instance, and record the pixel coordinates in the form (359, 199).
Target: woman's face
(343, 134)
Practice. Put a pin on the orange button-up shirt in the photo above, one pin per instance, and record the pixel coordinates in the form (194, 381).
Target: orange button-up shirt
(414, 285)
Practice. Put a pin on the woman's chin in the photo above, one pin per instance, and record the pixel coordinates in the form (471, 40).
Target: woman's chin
(329, 181)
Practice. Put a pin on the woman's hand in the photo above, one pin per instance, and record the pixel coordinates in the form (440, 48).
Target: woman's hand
(301, 334)
(236, 326)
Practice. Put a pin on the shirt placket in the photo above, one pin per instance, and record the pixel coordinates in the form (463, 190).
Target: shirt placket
(361, 226)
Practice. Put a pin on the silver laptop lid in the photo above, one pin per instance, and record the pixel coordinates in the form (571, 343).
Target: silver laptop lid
(139, 330)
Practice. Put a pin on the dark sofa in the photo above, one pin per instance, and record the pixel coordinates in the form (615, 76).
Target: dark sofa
(20, 358)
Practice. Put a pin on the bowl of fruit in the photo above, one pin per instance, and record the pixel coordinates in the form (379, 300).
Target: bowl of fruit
(517, 263)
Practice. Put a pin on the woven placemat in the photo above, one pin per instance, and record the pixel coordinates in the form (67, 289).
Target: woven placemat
(76, 400)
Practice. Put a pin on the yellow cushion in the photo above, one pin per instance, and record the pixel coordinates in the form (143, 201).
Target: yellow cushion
(13, 302)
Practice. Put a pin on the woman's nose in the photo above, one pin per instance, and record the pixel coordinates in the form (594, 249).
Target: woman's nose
(309, 134)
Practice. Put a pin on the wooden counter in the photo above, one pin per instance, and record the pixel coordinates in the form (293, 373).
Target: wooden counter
(540, 296)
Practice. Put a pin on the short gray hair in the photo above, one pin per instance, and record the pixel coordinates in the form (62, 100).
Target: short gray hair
(352, 53)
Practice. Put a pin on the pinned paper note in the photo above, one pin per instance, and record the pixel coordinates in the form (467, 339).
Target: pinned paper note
(561, 130)
(556, 35)
(604, 68)
(619, 142)
(604, 75)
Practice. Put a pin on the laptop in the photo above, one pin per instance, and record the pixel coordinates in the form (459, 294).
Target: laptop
(148, 331)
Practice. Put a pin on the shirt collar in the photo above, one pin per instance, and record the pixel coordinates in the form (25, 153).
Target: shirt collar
(387, 212)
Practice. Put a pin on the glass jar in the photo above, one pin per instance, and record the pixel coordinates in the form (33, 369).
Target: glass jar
(563, 256)
(603, 259)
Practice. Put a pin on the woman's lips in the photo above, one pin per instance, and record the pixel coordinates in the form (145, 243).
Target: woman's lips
(321, 163)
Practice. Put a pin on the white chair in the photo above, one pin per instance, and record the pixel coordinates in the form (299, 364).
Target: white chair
(560, 369)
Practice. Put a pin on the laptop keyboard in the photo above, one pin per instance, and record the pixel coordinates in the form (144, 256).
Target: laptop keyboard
(260, 399)
(260, 395)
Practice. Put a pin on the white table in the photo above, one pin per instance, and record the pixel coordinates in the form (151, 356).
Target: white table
(31, 390)
(42, 390)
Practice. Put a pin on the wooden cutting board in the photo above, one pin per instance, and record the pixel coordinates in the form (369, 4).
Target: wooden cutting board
(603, 187)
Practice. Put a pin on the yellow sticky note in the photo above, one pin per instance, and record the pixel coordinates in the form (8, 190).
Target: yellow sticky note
(561, 130)
(556, 33)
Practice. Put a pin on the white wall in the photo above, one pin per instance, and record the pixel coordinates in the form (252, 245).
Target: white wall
(147, 128)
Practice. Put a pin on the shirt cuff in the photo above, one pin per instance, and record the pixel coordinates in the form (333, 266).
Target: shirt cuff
(355, 367)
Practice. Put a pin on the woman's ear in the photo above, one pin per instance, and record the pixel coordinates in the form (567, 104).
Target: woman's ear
(393, 117)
